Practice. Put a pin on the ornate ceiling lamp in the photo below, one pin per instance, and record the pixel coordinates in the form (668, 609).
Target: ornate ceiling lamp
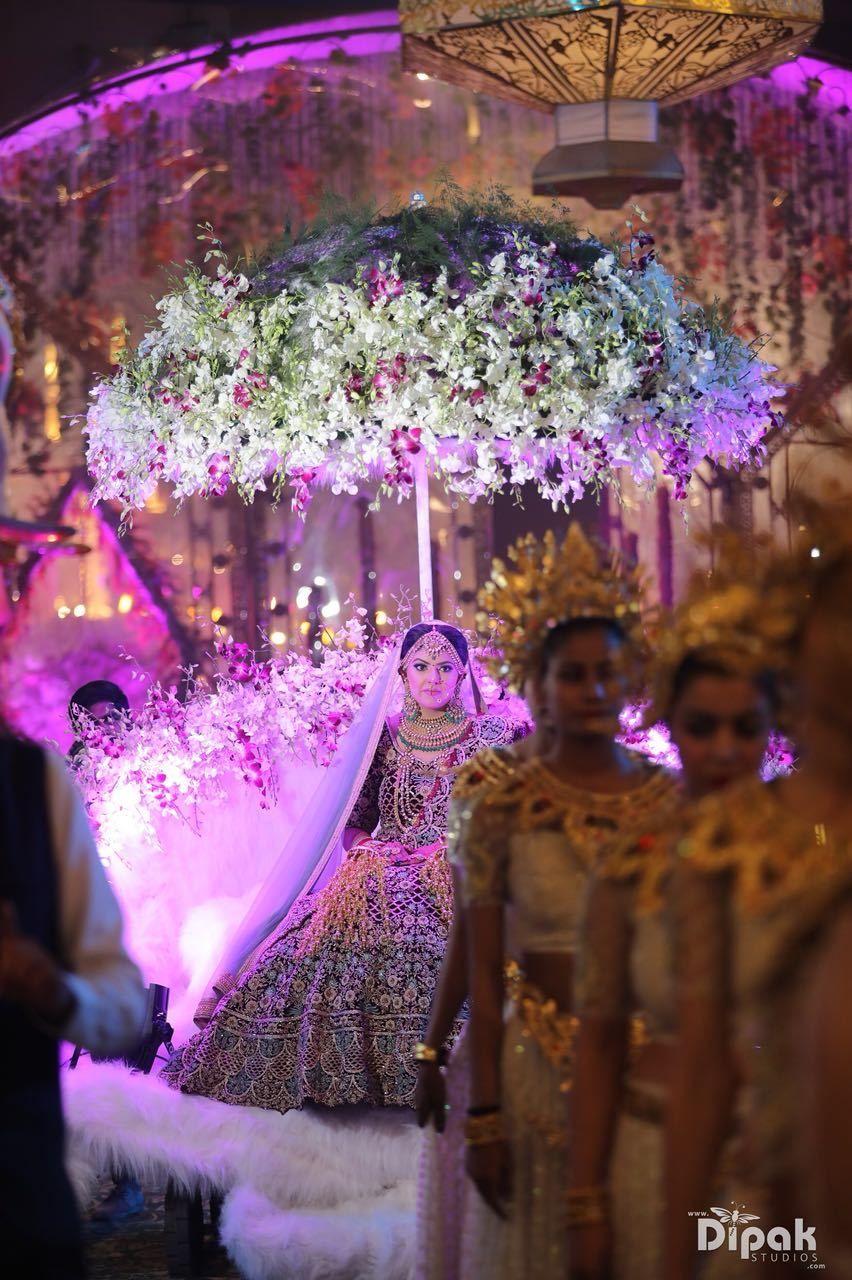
(602, 67)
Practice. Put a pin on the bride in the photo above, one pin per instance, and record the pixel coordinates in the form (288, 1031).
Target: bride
(329, 1006)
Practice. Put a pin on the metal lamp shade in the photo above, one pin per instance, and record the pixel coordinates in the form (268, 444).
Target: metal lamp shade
(556, 56)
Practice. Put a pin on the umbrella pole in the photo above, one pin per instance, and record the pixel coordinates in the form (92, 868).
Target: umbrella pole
(424, 536)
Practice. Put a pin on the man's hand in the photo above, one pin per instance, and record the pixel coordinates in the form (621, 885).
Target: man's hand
(29, 975)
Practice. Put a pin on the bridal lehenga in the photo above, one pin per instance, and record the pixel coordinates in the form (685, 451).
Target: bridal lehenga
(327, 1010)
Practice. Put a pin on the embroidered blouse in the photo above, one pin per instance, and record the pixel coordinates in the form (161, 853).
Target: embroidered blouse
(406, 799)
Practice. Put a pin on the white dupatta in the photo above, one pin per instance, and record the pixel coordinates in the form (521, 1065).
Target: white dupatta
(314, 849)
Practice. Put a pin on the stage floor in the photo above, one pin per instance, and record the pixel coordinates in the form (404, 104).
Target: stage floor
(136, 1249)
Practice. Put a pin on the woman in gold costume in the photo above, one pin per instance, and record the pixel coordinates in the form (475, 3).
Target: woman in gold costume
(803, 992)
(713, 686)
(750, 874)
(443, 1085)
(572, 620)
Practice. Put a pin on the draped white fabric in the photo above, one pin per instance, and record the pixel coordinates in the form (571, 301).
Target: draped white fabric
(315, 846)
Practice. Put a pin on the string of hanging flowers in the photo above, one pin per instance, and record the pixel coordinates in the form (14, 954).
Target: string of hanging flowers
(175, 756)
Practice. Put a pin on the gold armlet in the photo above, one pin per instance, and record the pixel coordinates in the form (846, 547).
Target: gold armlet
(586, 1206)
(479, 1131)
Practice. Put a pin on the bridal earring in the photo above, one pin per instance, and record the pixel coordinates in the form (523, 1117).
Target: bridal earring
(410, 708)
(455, 711)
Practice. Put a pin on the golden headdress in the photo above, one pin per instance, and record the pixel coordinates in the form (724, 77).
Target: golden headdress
(544, 584)
(434, 645)
(742, 616)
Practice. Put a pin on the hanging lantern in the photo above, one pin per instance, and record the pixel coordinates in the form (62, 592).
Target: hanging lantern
(602, 67)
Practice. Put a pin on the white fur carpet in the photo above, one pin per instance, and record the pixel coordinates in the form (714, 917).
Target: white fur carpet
(314, 1195)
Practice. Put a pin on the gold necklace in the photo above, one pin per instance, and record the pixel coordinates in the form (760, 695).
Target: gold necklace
(446, 736)
(649, 787)
(436, 734)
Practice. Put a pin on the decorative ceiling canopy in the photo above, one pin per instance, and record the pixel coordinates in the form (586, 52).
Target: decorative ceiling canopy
(602, 67)
(545, 54)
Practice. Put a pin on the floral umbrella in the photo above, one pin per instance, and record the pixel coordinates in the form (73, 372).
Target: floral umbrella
(484, 342)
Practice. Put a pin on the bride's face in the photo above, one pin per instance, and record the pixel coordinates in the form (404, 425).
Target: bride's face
(432, 682)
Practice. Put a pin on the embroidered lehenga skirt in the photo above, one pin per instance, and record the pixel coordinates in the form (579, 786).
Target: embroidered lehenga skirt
(330, 1010)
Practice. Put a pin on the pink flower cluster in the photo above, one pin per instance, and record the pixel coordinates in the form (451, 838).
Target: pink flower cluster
(302, 491)
(219, 473)
(540, 377)
(254, 768)
(382, 285)
(242, 665)
(473, 397)
(227, 281)
(177, 754)
(389, 375)
(258, 381)
(404, 445)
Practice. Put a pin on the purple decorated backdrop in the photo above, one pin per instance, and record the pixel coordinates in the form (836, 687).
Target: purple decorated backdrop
(97, 202)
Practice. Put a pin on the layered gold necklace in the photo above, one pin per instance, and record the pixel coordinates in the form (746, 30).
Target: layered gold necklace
(435, 736)
(439, 733)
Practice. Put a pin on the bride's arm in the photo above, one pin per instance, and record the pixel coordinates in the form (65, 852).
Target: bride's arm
(365, 815)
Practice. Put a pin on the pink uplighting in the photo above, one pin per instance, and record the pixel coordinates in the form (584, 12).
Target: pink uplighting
(357, 36)
(831, 85)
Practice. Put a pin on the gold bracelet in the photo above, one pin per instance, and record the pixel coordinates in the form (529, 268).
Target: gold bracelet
(425, 1052)
(586, 1206)
(479, 1131)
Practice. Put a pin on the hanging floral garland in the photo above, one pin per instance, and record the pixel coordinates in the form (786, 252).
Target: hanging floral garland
(176, 756)
(490, 336)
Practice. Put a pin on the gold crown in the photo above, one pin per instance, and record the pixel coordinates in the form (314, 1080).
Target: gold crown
(741, 615)
(545, 584)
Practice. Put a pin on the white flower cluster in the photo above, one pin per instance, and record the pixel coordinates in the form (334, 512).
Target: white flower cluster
(529, 369)
(180, 759)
